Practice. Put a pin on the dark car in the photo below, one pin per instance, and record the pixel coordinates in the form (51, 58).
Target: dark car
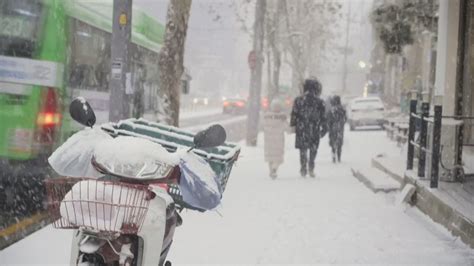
(234, 106)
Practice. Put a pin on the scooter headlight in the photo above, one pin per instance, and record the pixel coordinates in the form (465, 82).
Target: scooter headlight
(141, 170)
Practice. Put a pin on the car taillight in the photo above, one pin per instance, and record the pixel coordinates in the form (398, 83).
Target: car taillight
(240, 104)
(226, 103)
(49, 117)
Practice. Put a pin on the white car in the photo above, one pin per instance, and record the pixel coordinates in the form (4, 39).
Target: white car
(366, 111)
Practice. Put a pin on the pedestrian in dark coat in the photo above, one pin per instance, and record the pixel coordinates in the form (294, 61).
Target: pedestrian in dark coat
(336, 118)
(309, 122)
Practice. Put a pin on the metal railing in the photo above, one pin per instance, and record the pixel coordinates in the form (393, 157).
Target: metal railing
(422, 120)
(419, 123)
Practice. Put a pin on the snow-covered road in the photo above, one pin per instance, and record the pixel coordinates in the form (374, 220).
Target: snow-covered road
(332, 219)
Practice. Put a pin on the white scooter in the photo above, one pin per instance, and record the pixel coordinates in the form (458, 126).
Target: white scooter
(123, 212)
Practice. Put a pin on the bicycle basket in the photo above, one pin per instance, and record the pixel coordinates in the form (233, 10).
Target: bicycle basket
(96, 205)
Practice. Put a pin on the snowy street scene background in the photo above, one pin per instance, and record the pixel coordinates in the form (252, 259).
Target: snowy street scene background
(237, 132)
(332, 219)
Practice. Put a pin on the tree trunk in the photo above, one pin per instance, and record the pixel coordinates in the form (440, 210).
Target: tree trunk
(172, 55)
(274, 77)
(270, 88)
(256, 76)
(276, 70)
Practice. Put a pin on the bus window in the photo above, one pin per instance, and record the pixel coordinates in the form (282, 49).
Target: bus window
(19, 24)
(89, 58)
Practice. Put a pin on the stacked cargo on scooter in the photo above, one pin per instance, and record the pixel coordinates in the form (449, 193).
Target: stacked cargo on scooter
(220, 158)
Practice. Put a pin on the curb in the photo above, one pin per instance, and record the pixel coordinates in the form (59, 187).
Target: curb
(433, 206)
(378, 165)
(22, 229)
(369, 184)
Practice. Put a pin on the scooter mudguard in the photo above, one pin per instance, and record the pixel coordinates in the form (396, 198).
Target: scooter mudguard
(154, 226)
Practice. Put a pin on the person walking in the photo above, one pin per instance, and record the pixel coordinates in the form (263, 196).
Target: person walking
(309, 122)
(274, 127)
(336, 119)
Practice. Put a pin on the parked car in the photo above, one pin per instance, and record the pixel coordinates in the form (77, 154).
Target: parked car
(234, 106)
(287, 100)
(200, 101)
(366, 111)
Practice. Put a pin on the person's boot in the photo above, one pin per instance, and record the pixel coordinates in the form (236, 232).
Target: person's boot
(334, 158)
(311, 173)
(273, 173)
(303, 172)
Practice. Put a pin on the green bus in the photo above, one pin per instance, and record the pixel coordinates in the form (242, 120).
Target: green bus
(50, 52)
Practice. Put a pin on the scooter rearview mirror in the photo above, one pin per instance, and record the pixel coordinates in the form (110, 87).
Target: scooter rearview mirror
(213, 136)
(82, 112)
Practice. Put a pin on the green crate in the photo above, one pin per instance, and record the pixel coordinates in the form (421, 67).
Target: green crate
(221, 158)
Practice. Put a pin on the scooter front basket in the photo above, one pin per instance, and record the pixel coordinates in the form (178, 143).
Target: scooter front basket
(97, 205)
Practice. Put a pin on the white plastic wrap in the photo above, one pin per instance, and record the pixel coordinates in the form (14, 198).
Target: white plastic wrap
(198, 184)
(73, 158)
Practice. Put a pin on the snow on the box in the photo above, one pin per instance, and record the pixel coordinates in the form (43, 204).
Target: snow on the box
(125, 150)
(230, 150)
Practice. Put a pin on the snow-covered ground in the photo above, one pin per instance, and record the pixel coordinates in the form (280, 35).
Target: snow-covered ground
(332, 219)
(189, 113)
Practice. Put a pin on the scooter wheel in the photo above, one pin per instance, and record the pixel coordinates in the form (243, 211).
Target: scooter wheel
(168, 263)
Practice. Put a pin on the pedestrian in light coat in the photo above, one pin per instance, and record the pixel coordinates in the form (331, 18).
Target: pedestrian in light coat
(274, 126)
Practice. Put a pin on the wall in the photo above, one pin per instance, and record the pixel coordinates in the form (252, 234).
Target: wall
(468, 75)
(447, 47)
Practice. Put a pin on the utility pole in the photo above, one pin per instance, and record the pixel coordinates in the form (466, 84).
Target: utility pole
(255, 62)
(346, 49)
(120, 78)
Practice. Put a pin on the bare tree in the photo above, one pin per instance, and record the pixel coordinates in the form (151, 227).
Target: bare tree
(307, 30)
(172, 55)
(273, 30)
(256, 74)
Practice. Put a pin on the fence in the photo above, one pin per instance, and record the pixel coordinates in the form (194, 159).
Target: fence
(423, 121)
(419, 123)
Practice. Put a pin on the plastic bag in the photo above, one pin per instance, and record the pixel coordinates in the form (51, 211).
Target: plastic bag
(73, 158)
(199, 185)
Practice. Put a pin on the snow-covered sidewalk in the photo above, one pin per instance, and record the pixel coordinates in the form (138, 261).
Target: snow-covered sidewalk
(333, 219)
(188, 113)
